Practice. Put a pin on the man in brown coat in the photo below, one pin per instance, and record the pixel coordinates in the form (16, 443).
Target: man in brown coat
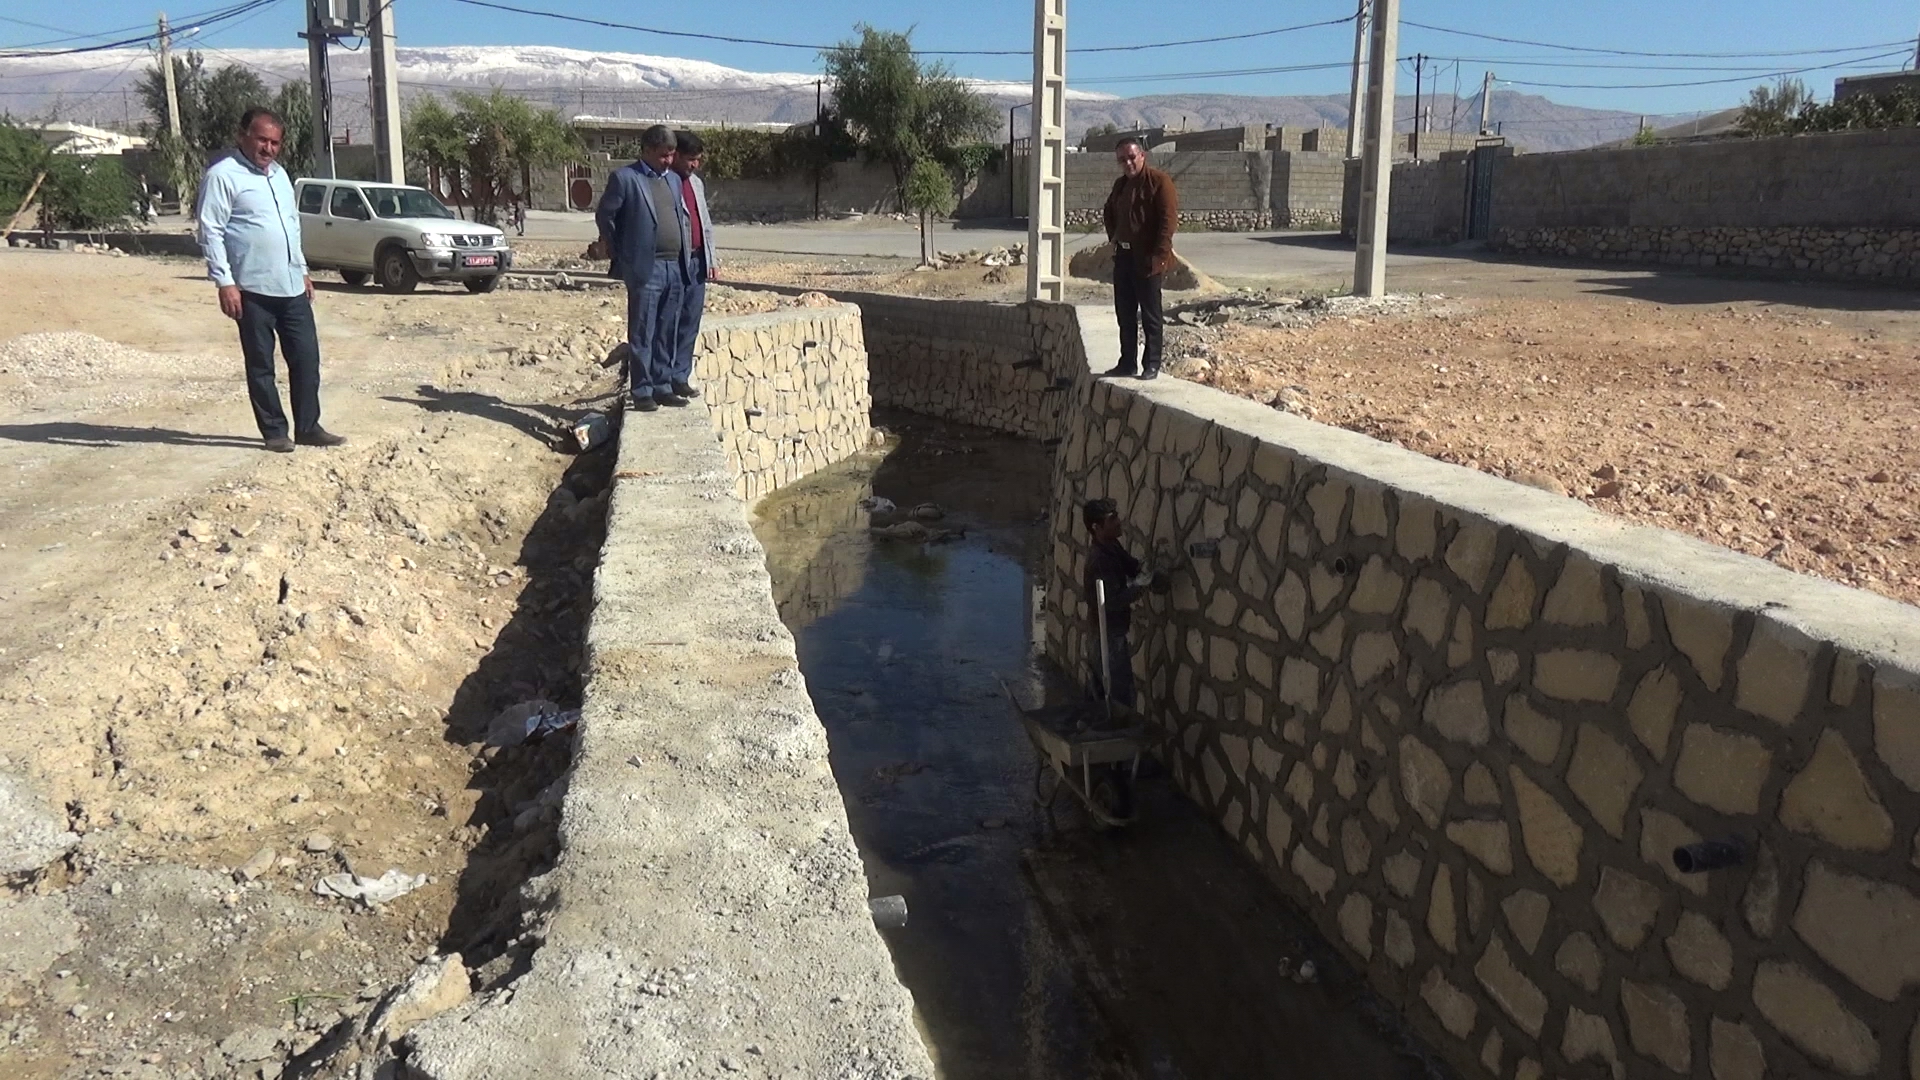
(1141, 213)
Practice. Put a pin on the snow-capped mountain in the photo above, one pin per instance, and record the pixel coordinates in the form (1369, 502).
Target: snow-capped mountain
(100, 88)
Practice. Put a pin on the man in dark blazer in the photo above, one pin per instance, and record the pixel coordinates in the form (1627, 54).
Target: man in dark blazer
(704, 267)
(644, 226)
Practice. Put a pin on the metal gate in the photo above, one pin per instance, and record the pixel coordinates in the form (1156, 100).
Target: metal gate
(1480, 168)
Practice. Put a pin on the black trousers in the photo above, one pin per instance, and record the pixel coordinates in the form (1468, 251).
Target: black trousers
(290, 318)
(1136, 300)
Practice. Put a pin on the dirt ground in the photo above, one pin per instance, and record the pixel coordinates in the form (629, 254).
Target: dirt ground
(1786, 431)
(236, 673)
(1773, 418)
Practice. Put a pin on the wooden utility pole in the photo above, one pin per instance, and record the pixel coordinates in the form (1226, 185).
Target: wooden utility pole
(1356, 102)
(322, 93)
(24, 203)
(1376, 166)
(1413, 140)
(1486, 104)
(819, 135)
(383, 96)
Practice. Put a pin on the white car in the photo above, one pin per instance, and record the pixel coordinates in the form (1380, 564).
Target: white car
(398, 234)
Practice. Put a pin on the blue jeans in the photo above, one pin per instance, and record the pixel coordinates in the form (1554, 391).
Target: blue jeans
(289, 318)
(653, 326)
(692, 302)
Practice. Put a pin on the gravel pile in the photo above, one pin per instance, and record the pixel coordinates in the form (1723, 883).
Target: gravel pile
(71, 356)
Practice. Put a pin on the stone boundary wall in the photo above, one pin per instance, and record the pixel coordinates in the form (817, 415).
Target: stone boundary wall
(1465, 724)
(1841, 205)
(1005, 367)
(1842, 253)
(786, 391)
(1307, 190)
(708, 912)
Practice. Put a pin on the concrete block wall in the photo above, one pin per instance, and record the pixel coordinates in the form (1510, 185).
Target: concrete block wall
(1307, 189)
(1841, 205)
(1850, 252)
(1426, 200)
(997, 366)
(1228, 191)
(853, 185)
(1465, 724)
(786, 391)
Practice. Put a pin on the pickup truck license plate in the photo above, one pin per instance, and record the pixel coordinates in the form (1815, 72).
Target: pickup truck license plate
(479, 260)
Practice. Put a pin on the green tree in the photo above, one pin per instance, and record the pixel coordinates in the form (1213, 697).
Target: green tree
(77, 192)
(1645, 137)
(294, 103)
(928, 191)
(1899, 108)
(901, 111)
(211, 104)
(486, 147)
(1770, 109)
(1096, 131)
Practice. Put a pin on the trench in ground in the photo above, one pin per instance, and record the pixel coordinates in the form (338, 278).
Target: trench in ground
(1032, 950)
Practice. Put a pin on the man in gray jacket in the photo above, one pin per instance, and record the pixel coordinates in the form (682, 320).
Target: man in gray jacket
(643, 222)
(703, 267)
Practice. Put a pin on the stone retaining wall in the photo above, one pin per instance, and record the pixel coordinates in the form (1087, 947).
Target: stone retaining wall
(1465, 724)
(1005, 367)
(787, 392)
(707, 915)
(1829, 252)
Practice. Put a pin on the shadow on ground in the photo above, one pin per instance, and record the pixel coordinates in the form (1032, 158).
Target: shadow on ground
(102, 436)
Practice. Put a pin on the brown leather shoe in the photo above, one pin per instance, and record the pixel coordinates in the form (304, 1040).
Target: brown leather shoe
(319, 437)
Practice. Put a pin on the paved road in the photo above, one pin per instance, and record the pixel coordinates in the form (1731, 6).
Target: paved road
(1288, 256)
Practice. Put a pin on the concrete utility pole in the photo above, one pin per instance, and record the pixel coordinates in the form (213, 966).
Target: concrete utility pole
(1355, 102)
(389, 157)
(1376, 166)
(1047, 202)
(166, 76)
(1486, 104)
(322, 107)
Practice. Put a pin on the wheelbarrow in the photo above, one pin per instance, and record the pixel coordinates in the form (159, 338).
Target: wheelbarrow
(1086, 750)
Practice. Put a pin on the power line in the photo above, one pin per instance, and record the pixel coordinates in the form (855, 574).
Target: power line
(1505, 62)
(610, 25)
(1669, 55)
(185, 20)
(1704, 82)
(222, 15)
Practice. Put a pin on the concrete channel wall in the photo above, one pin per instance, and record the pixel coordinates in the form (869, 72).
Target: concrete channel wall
(1465, 724)
(787, 392)
(1005, 367)
(707, 914)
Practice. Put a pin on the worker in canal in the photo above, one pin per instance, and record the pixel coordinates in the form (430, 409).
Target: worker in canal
(1125, 581)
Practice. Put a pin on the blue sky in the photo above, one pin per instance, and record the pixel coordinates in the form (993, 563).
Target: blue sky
(1715, 26)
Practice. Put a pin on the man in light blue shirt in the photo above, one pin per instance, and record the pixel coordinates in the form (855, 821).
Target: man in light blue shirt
(250, 234)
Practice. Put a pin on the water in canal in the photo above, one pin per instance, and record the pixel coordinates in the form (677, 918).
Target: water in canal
(1041, 951)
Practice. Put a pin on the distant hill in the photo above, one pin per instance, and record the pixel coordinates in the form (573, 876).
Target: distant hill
(98, 88)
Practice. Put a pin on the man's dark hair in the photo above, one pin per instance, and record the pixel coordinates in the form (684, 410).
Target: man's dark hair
(688, 144)
(1099, 510)
(1131, 140)
(261, 112)
(657, 137)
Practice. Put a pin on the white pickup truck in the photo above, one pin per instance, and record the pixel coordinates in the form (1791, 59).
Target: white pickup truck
(399, 235)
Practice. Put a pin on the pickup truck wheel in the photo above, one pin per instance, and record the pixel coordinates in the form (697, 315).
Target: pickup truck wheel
(355, 278)
(482, 284)
(396, 271)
